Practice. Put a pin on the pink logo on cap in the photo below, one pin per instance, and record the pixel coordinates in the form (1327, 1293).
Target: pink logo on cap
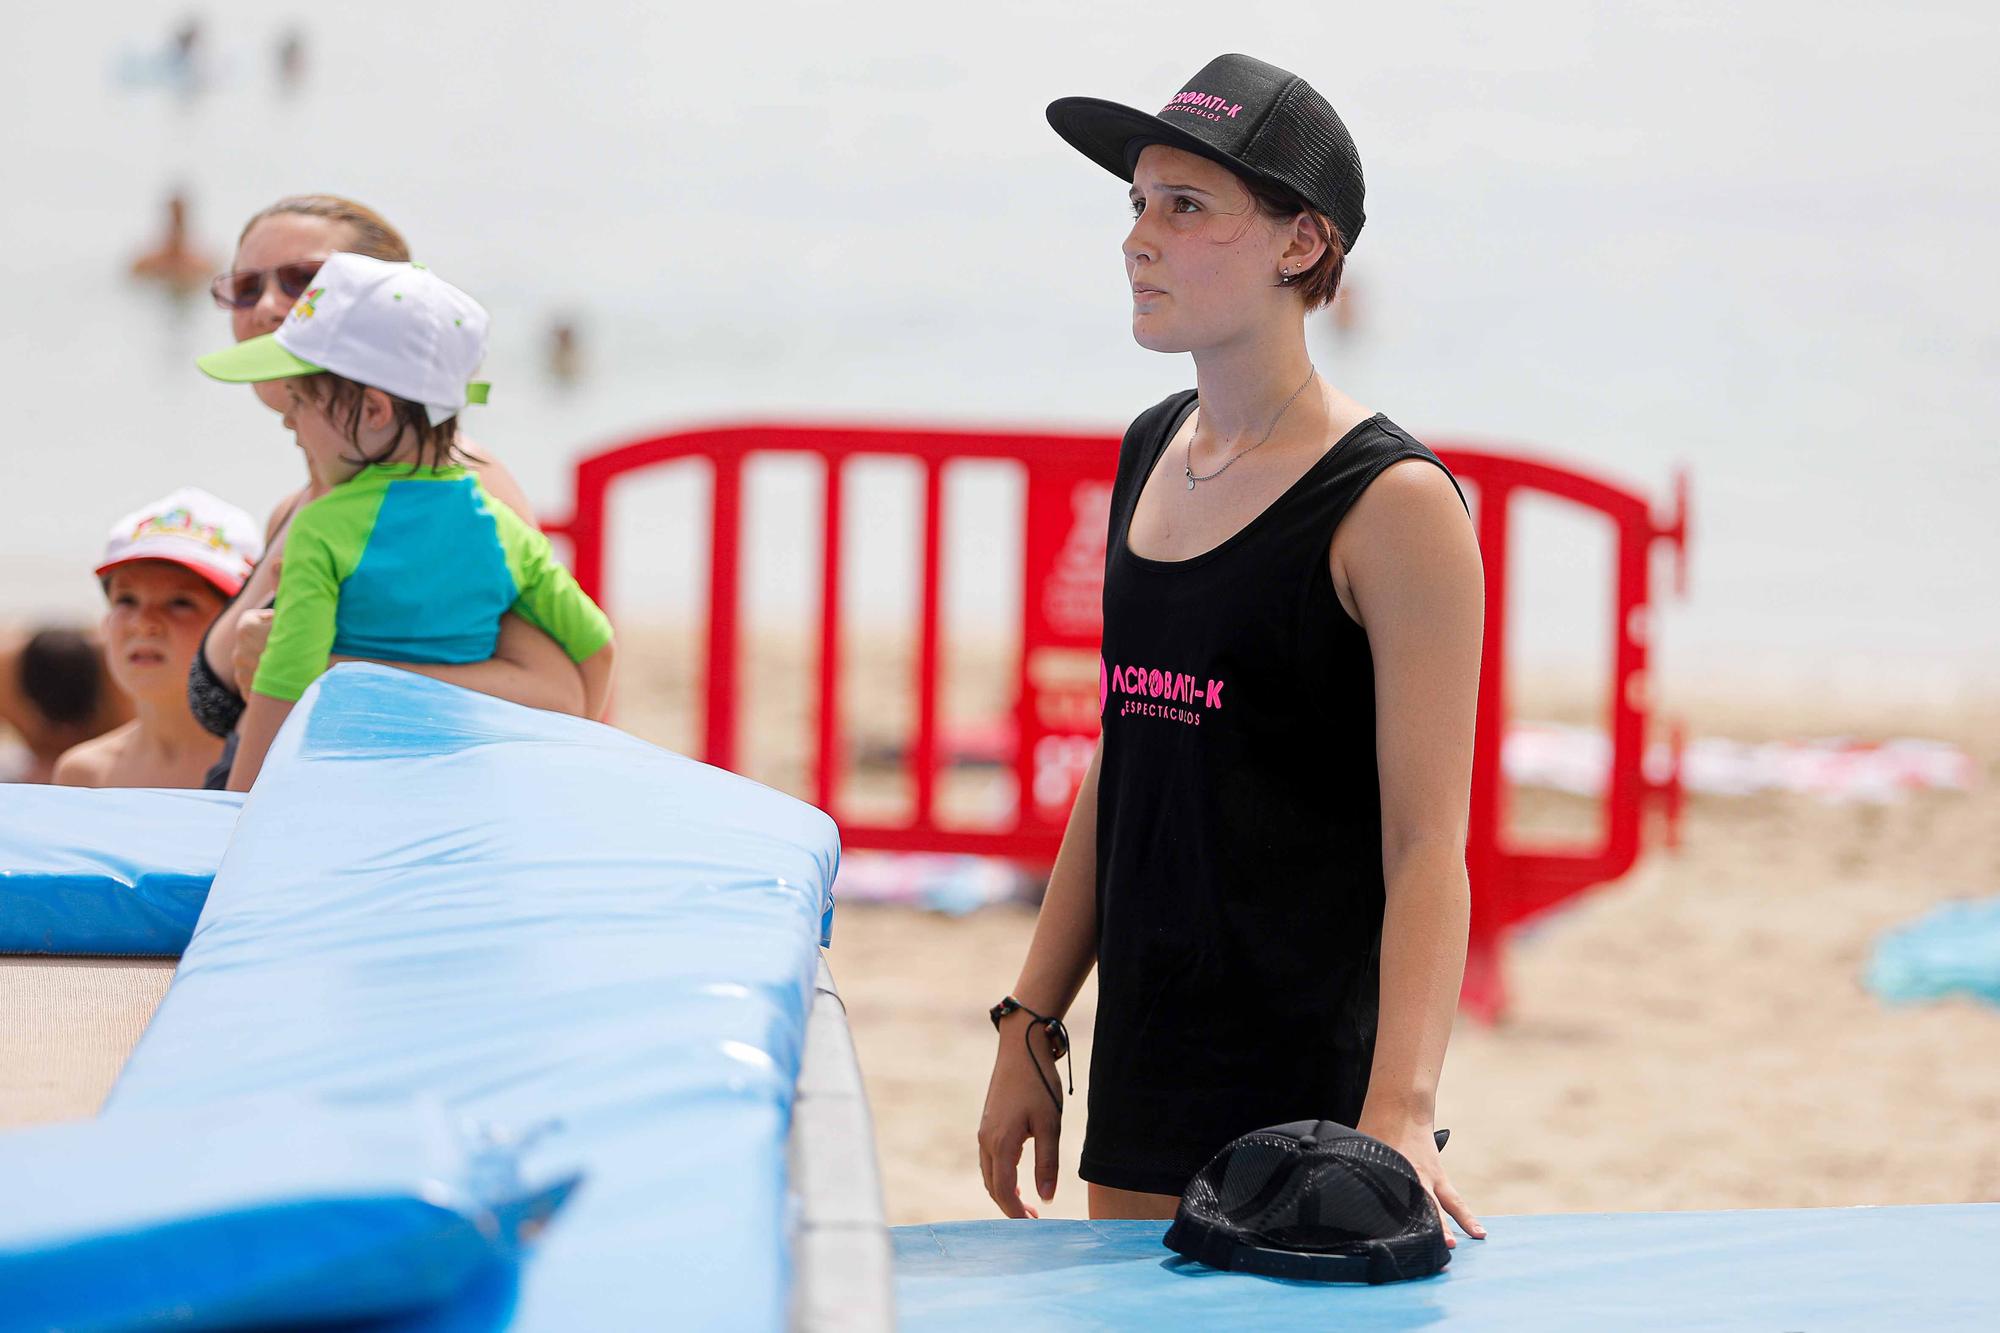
(1206, 105)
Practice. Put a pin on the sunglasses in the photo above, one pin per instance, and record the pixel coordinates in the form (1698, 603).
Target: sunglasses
(245, 287)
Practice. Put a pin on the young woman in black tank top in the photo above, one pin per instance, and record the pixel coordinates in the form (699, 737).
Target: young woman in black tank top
(1265, 862)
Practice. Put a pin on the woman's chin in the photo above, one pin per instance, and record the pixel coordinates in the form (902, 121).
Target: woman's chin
(1153, 334)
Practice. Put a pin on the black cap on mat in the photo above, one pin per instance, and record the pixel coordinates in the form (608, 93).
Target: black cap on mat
(1254, 118)
(1313, 1200)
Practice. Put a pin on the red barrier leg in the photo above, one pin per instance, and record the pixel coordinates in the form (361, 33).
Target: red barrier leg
(1484, 992)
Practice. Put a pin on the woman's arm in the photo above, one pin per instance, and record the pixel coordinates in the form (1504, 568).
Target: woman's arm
(498, 481)
(527, 667)
(1409, 565)
(596, 672)
(262, 716)
(1064, 949)
(220, 645)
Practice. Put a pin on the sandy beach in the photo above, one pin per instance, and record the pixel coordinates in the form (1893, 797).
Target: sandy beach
(1695, 1036)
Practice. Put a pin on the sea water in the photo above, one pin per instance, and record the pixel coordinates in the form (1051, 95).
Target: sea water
(1752, 241)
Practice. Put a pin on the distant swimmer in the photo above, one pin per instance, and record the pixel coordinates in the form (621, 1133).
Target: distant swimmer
(565, 361)
(187, 40)
(182, 64)
(291, 60)
(175, 263)
(179, 64)
(1346, 311)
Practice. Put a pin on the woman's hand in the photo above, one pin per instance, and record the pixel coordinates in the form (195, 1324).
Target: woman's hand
(1019, 1108)
(1417, 1141)
(253, 631)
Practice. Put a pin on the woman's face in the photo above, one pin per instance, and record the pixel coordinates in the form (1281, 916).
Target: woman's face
(1202, 260)
(153, 626)
(282, 238)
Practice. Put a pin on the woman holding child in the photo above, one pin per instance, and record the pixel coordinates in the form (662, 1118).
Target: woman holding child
(277, 255)
(405, 556)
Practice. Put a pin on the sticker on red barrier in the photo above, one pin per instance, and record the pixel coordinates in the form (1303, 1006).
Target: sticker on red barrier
(1062, 605)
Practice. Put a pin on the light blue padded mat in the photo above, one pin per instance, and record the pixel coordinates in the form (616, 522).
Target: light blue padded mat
(262, 1211)
(121, 870)
(1819, 1269)
(431, 892)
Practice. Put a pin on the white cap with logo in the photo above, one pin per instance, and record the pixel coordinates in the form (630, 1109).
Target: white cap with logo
(395, 327)
(190, 528)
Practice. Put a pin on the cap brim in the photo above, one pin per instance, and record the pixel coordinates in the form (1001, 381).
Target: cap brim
(1105, 131)
(1397, 1259)
(255, 360)
(215, 578)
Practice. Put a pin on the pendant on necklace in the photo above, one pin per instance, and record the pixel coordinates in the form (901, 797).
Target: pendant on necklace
(1190, 481)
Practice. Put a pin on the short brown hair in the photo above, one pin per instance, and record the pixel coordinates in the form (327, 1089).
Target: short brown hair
(62, 675)
(437, 446)
(373, 236)
(1317, 285)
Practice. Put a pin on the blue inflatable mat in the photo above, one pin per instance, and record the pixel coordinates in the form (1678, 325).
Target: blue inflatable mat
(111, 871)
(525, 915)
(263, 1212)
(1820, 1269)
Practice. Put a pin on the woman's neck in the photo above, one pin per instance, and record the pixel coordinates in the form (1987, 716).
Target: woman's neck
(1244, 383)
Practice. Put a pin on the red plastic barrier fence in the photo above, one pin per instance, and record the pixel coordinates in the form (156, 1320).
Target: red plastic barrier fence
(1056, 709)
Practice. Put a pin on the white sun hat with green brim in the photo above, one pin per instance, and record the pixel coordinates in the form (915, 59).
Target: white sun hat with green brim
(395, 327)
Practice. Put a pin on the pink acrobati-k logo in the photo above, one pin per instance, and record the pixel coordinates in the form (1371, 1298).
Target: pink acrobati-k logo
(1149, 683)
(1203, 104)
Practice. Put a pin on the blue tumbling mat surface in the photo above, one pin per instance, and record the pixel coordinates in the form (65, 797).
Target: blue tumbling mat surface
(1819, 1269)
(530, 918)
(121, 870)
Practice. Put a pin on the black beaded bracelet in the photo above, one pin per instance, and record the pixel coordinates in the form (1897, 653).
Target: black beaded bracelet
(1058, 1036)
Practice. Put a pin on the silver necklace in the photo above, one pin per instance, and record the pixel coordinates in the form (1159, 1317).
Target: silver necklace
(1187, 457)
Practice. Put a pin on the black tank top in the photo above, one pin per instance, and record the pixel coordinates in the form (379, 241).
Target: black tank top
(1239, 829)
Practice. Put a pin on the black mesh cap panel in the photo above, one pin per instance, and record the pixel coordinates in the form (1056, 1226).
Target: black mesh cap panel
(1306, 147)
(1311, 1200)
(1250, 116)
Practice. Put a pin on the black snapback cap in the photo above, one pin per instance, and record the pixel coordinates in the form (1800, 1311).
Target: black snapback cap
(1313, 1200)
(1256, 119)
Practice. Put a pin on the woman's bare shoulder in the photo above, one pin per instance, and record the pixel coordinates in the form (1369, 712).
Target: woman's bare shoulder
(498, 481)
(282, 514)
(1409, 529)
(1413, 483)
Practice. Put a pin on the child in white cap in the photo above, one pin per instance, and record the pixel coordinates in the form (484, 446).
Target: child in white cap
(167, 570)
(406, 559)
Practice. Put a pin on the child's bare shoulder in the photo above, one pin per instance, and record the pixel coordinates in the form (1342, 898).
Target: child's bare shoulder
(89, 763)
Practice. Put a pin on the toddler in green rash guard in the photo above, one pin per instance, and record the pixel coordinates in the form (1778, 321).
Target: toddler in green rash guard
(406, 558)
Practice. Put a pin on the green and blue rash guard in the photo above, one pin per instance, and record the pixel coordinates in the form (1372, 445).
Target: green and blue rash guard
(417, 565)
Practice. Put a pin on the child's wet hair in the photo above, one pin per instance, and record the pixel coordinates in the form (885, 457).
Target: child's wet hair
(437, 446)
